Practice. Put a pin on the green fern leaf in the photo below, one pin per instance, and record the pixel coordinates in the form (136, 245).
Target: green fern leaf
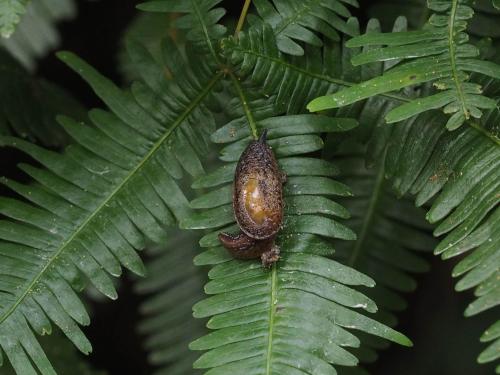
(36, 34)
(167, 323)
(200, 21)
(94, 204)
(256, 57)
(392, 235)
(482, 25)
(258, 315)
(460, 174)
(64, 357)
(10, 15)
(28, 106)
(295, 81)
(443, 46)
(296, 21)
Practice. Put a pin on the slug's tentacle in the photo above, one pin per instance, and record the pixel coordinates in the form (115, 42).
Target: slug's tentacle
(263, 137)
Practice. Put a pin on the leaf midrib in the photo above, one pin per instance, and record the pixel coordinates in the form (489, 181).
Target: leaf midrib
(453, 63)
(83, 225)
(272, 313)
(205, 31)
(297, 15)
(246, 108)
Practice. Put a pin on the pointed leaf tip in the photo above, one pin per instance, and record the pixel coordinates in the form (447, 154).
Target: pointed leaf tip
(405, 341)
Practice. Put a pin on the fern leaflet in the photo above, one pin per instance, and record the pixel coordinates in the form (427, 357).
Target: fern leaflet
(439, 53)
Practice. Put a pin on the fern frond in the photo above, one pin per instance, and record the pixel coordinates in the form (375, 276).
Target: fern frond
(29, 106)
(305, 21)
(460, 174)
(392, 236)
(64, 357)
(439, 54)
(256, 57)
(93, 205)
(259, 315)
(173, 286)
(200, 22)
(10, 15)
(36, 34)
(294, 81)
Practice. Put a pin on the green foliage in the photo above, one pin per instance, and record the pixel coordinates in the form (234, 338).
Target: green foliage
(268, 321)
(122, 182)
(442, 45)
(29, 106)
(276, 74)
(200, 22)
(296, 21)
(95, 204)
(392, 237)
(149, 30)
(173, 286)
(36, 34)
(63, 355)
(459, 173)
(291, 84)
(10, 15)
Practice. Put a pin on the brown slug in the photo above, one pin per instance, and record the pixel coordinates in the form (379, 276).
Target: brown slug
(257, 204)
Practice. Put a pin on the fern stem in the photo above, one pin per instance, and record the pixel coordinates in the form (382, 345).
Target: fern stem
(194, 104)
(453, 63)
(370, 213)
(272, 313)
(242, 18)
(246, 108)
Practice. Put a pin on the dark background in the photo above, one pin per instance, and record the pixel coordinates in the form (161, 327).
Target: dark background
(445, 342)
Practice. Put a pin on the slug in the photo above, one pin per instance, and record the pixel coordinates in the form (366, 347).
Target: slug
(257, 204)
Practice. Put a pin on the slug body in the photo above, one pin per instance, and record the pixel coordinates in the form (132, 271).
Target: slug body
(257, 204)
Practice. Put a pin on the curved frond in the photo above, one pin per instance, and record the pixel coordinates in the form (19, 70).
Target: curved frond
(173, 286)
(259, 316)
(459, 174)
(295, 21)
(443, 46)
(92, 206)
